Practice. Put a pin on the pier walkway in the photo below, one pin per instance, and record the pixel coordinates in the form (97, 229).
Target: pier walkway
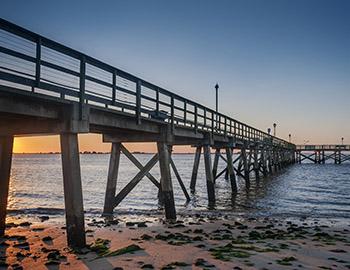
(47, 88)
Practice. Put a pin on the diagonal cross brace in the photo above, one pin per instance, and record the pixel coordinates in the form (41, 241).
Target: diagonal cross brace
(139, 165)
(188, 198)
(130, 186)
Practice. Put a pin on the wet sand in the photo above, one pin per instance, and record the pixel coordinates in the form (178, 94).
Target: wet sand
(199, 242)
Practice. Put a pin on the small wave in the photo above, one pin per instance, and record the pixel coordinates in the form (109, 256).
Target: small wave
(39, 210)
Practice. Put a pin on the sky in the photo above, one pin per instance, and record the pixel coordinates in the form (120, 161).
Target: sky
(278, 61)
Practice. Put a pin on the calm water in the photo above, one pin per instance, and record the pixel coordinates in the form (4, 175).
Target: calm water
(306, 190)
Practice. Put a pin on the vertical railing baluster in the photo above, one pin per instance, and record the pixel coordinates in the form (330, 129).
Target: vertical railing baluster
(82, 86)
(185, 112)
(212, 122)
(195, 118)
(157, 101)
(172, 109)
(114, 86)
(225, 123)
(205, 117)
(138, 102)
(234, 130)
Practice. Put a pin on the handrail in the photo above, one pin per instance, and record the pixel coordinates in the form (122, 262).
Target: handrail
(310, 147)
(59, 69)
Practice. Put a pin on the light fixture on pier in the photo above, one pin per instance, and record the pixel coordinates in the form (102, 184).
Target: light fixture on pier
(342, 141)
(269, 131)
(290, 138)
(274, 129)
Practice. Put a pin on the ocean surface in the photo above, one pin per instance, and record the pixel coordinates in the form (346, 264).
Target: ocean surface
(301, 190)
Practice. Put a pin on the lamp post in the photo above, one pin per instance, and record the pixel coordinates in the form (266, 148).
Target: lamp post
(274, 129)
(217, 102)
(342, 141)
(290, 138)
(269, 131)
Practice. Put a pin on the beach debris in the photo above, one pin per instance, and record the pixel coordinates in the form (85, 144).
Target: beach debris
(203, 263)
(38, 229)
(286, 260)
(54, 257)
(141, 224)
(173, 265)
(22, 245)
(338, 250)
(147, 266)
(100, 246)
(129, 249)
(25, 224)
(11, 225)
(44, 218)
(227, 252)
(47, 239)
(146, 237)
(176, 239)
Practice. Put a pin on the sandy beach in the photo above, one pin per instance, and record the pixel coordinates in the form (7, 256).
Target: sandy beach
(199, 242)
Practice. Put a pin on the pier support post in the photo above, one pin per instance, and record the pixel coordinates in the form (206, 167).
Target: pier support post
(323, 158)
(245, 167)
(6, 146)
(275, 159)
(263, 161)
(230, 170)
(112, 179)
(216, 162)
(256, 162)
(269, 159)
(197, 159)
(209, 175)
(165, 181)
(73, 195)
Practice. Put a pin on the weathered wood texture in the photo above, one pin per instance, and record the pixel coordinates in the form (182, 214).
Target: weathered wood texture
(209, 175)
(73, 195)
(230, 169)
(138, 177)
(112, 179)
(6, 145)
(197, 159)
(165, 181)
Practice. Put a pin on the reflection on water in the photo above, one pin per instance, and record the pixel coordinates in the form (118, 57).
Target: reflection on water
(300, 190)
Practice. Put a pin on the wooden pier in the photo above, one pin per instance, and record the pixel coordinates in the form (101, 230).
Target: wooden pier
(319, 154)
(48, 88)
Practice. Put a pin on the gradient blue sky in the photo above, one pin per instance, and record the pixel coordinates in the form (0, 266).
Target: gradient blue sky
(276, 60)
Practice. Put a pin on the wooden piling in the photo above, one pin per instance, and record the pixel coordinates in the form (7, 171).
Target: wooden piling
(6, 146)
(230, 170)
(263, 161)
(245, 167)
(197, 159)
(270, 161)
(165, 181)
(112, 179)
(209, 175)
(256, 162)
(216, 162)
(73, 195)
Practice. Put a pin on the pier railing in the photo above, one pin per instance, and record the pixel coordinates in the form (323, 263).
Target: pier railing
(329, 147)
(34, 63)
